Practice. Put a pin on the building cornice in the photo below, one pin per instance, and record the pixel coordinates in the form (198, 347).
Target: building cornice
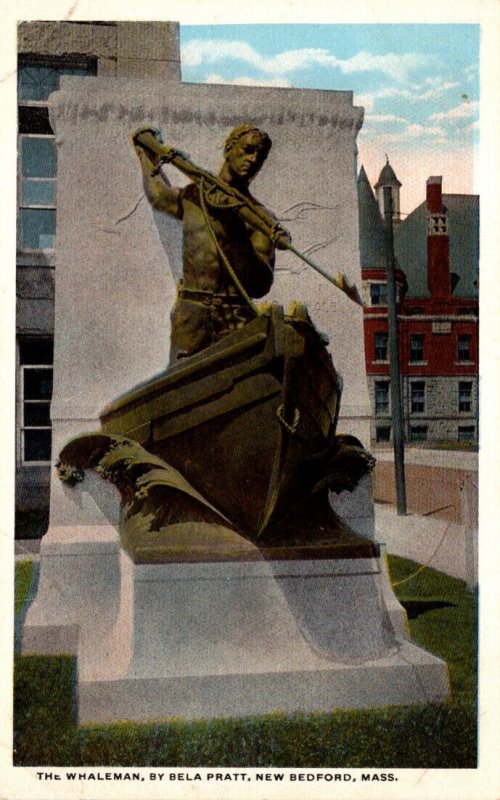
(422, 317)
(438, 317)
(123, 99)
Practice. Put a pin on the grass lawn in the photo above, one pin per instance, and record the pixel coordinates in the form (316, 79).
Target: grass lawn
(441, 614)
(24, 575)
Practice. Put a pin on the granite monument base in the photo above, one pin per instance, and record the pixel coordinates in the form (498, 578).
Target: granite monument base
(204, 636)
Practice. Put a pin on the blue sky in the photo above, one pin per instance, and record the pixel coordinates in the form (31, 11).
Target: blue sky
(419, 85)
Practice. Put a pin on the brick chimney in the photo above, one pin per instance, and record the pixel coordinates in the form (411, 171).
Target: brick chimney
(438, 243)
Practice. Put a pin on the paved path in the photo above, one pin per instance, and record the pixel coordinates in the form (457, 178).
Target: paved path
(440, 529)
(462, 460)
(439, 543)
(432, 488)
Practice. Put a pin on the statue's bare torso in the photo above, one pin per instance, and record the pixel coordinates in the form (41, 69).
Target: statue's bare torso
(248, 251)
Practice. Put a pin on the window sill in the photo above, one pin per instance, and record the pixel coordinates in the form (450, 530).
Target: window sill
(418, 363)
(30, 251)
(36, 258)
(464, 363)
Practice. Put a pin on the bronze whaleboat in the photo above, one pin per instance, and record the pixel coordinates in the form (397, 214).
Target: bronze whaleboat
(249, 422)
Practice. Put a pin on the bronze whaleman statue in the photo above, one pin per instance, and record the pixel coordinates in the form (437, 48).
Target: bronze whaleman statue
(239, 430)
(226, 261)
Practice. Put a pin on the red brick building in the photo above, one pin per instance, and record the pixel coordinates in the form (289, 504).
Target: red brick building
(437, 259)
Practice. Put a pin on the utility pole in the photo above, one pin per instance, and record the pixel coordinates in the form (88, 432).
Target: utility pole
(397, 407)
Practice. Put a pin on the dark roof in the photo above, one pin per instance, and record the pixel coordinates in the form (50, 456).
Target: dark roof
(372, 239)
(387, 177)
(410, 245)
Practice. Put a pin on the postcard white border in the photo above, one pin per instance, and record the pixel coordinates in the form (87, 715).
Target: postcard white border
(480, 784)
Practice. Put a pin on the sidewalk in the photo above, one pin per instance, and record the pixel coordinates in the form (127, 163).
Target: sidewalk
(434, 481)
(28, 549)
(436, 542)
(448, 459)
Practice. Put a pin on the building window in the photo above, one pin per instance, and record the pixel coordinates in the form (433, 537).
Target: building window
(464, 347)
(35, 82)
(466, 433)
(383, 433)
(37, 78)
(381, 346)
(36, 357)
(417, 396)
(381, 397)
(37, 201)
(465, 396)
(437, 225)
(378, 294)
(416, 310)
(418, 433)
(416, 347)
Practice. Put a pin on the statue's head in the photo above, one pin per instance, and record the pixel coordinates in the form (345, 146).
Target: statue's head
(245, 150)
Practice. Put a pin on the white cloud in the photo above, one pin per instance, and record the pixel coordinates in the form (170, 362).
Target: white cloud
(413, 134)
(369, 100)
(244, 80)
(416, 129)
(395, 65)
(197, 52)
(431, 80)
(463, 111)
(471, 70)
(365, 100)
(416, 94)
(436, 91)
(430, 89)
(386, 118)
(439, 83)
(473, 127)
(393, 91)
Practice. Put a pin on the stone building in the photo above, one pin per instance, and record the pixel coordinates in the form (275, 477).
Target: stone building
(437, 260)
(46, 52)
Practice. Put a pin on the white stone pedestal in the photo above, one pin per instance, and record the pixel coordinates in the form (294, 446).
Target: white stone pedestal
(239, 638)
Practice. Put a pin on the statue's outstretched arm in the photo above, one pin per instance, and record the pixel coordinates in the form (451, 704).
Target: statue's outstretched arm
(160, 193)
